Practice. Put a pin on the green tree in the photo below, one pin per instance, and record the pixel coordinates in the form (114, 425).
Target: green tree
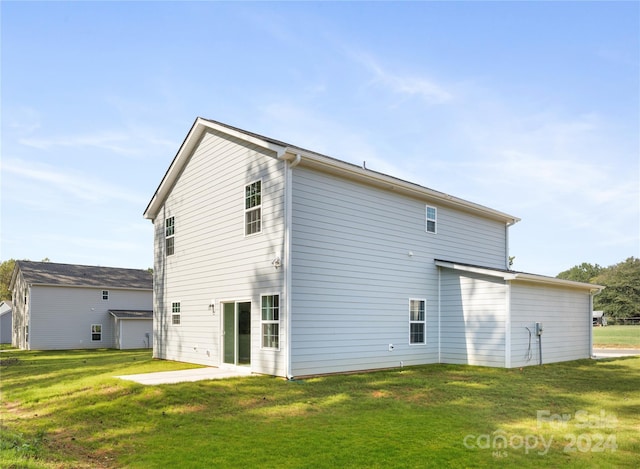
(584, 272)
(6, 269)
(621, 297)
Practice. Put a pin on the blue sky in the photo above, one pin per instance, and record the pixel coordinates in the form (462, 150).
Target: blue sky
(531, 108)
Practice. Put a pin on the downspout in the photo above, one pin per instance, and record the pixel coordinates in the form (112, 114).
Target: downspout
(439, 313)
(506, 243)
(507, 325)
(289, 163)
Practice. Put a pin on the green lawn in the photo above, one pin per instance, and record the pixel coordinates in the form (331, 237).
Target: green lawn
(617, 336)
(65, 410)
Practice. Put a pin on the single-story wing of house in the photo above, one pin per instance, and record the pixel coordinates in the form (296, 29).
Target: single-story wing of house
(293, 263)
(67, 306)
(5, 322)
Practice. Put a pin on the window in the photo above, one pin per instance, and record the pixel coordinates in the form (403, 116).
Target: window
(417, 322)
(431, 219)
(253, 208)
(175, 313)
(270, 305)
(96, 332)
(169, 231)
(105, 294)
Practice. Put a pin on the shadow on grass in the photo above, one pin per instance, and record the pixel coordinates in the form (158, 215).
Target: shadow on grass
(390, 417)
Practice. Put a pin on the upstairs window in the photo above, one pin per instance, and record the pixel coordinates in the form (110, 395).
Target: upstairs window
(105, 295)
(417, 322)
(432, 215)
(270, 305)
(169, 232)
(253, 208)
(175, 313)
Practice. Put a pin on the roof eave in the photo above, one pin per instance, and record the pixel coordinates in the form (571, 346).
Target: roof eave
(520, 276)
(350, 171)
(199, 127)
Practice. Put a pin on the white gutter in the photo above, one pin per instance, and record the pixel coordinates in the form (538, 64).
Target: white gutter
(518, 276)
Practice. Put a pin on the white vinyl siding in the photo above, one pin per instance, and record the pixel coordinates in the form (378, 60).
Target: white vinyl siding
(214, 258)
(358, 254)
(473, 315)
(565, 314)
(61, 318)
(133, 333)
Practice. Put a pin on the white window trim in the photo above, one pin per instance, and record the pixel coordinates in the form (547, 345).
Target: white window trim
(179, 313)
(171, 236)
(270, 321)
(434, 219)
(105, 293)
(101, 333)
(418, 322)
(246, 210)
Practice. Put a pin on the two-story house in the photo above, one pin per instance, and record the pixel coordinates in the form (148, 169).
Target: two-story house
(294, 263)
(68, 306)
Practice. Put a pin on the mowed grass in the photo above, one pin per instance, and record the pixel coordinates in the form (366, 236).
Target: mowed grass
(66, 410)
(617, 336)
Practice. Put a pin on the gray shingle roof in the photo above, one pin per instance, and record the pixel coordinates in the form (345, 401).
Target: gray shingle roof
(49, 273)
(131, 314)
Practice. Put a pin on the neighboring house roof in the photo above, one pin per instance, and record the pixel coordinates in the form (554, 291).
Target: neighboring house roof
(131, 314)
(50, 273)
(506, 274)
(598, 314)
(307, 158)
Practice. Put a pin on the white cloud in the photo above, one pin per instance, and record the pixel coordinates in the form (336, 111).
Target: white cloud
(409, 85)
(77, 184)
(115, 142)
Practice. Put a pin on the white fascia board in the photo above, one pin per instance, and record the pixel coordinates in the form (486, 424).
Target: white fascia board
(477, 270)
(558, 282)
(520, 276)
(199, 127)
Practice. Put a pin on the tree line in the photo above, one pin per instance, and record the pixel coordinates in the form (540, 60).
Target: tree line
(621, 297)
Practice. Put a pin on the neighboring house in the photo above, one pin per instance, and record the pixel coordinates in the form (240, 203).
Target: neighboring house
(64, 306)
(5, 322)
(294, 263)
(599, 319)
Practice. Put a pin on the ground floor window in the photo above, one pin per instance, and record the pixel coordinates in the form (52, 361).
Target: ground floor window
(417, 322)
(270, 306)
(96, 332)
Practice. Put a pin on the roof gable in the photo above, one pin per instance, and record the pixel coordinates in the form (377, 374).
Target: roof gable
(49, 273)
(306, 158)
